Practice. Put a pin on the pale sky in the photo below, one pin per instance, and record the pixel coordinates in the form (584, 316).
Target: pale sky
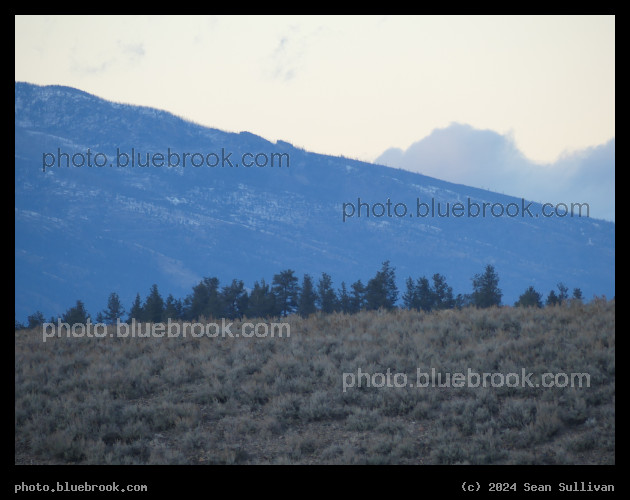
(344, 85)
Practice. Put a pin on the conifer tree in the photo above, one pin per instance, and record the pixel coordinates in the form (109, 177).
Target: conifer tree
(326, 297)
(114, 311)
(426, 295)
(285, 289)
(153, 306)
(357, 298)
(205, 300)
(552, 299)
(76, 314)
(308, 297)
(234, 298)
(486, 291)
(381, 291)
(410, 297)
(262, 302)
(136, 311)
(344, 299)
(442, 293)
(529, 298)
(563, 293)
(172, 309)
(36, 319)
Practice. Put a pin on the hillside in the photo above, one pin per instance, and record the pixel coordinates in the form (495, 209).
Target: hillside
(84, 232)
(292, 399)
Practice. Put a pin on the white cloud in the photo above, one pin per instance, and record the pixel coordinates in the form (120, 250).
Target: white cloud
(486, 159)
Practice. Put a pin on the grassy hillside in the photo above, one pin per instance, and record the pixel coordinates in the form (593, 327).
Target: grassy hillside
(283, 400)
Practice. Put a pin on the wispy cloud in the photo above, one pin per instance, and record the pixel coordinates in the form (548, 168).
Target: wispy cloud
(120, 55)
(133, 51)
(292, 51)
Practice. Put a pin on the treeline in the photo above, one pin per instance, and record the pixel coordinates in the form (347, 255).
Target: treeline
(285, 295)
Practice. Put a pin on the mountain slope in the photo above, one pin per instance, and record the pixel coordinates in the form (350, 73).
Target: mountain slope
(83, 232)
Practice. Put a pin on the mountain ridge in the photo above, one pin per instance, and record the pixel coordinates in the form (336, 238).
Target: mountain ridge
(82, 233)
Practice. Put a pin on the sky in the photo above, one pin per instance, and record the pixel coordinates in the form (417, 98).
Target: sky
(344, 85)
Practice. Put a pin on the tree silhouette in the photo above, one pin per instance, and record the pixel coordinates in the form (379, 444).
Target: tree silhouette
(262, 302)
(204, 301)
(136, 312)
(552, 299)
(486, 291)
(114, 309)
(529, 298)
(410, 297)
(172, 309)
(153, 306)
(234, 299)
(442, 293)
(326, 297)
(76, 314)
(426, 295)
(285, 289)
(36, 319)
(357, 299)
(563, 294)
(306, 302)
(344, 299)
(381, 291)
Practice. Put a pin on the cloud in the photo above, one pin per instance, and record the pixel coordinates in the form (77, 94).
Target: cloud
(132, 51)
(121, 55)
(285, 60)
(486, 159)
(292, 50)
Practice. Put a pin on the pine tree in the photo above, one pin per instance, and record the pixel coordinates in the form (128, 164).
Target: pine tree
(172, 309)
(357, 299)
(234, 298)
(308, 297)
(464, 300)
(577, 294)
(76, 314)
(563, 294)
(114, 311)
(381, 291)
(442, 292)
(262, 302)
(552, 299)
(486, 292)
(426, 295)
(344, 299)
(136, 312)
(529, 298)
(36, 319)
(285, 289)
(410, 297)
(153, 306)
(205, 300)
(391, 289)
(326, 297)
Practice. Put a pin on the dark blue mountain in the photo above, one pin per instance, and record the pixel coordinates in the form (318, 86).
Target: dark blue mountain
(84, 232)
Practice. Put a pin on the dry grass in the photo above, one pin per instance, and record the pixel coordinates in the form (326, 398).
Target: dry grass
(281, 400)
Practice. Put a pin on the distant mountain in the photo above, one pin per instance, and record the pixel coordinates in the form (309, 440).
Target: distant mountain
(485, 159)
(84, 232)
